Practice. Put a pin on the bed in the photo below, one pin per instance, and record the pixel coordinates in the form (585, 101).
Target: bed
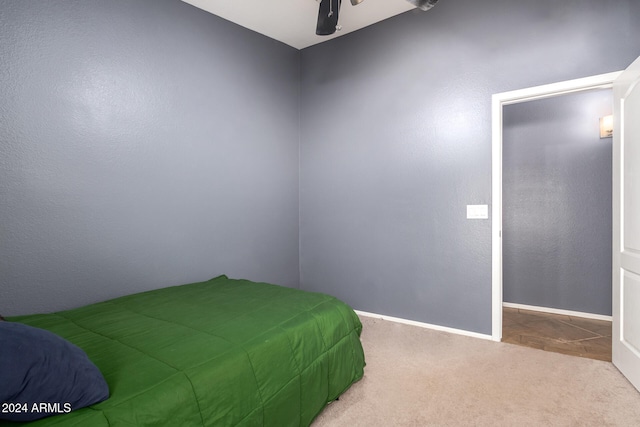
(223, 352)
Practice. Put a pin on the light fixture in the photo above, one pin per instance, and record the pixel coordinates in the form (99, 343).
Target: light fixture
(423, 4)
(606, 127)
(329, 10)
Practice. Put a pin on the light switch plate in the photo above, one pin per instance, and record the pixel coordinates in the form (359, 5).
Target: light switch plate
(477, 211)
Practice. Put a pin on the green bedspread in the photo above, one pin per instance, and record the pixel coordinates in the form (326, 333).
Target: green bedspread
(217, 353)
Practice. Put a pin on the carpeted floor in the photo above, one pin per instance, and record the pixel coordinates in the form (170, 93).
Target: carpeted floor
(421, 377)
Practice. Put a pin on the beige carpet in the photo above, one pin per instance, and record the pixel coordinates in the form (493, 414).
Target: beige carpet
(420, 377)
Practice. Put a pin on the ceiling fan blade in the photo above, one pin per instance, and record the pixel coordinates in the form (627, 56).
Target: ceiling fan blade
(328, 17)
(423, 4)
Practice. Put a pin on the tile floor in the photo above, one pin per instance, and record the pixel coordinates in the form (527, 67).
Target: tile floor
(571, 335)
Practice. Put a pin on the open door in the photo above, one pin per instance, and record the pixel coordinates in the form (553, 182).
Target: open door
(626, 224)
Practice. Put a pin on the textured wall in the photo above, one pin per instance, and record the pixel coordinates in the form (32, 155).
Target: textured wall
(147, 143)
(557, 203)
(396, 140)
(143, 143)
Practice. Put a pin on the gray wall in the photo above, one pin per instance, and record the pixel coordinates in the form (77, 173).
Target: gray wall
(557, 203)
(143, 143)
(396, 140)
(148, 143)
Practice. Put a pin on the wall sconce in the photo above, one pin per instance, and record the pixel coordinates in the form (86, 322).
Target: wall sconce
(606, 127)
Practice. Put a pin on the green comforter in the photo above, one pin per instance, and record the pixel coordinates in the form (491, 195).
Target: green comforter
(217, 353)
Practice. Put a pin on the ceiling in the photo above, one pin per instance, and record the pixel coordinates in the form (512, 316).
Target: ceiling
(294, 21)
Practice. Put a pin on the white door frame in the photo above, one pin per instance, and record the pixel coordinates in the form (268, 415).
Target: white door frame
(602, 81)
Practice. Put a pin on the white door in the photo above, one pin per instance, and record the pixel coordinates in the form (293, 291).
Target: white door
(626, 224)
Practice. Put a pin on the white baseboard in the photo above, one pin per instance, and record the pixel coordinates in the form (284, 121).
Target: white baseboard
(426, 325)
(557, 311)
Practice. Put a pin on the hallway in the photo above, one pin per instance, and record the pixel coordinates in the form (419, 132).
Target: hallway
(576, 336)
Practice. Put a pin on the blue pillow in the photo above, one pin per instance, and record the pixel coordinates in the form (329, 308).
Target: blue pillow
(42, 374)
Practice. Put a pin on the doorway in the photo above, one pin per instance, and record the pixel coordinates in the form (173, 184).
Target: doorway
(557, 225)
(499, 101)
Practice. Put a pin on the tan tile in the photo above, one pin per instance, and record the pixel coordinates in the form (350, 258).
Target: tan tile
(508, 323)
(557, 333)
(519, 323)
(599, 327)
(599, 348)
(539, 315)
(600, 343)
